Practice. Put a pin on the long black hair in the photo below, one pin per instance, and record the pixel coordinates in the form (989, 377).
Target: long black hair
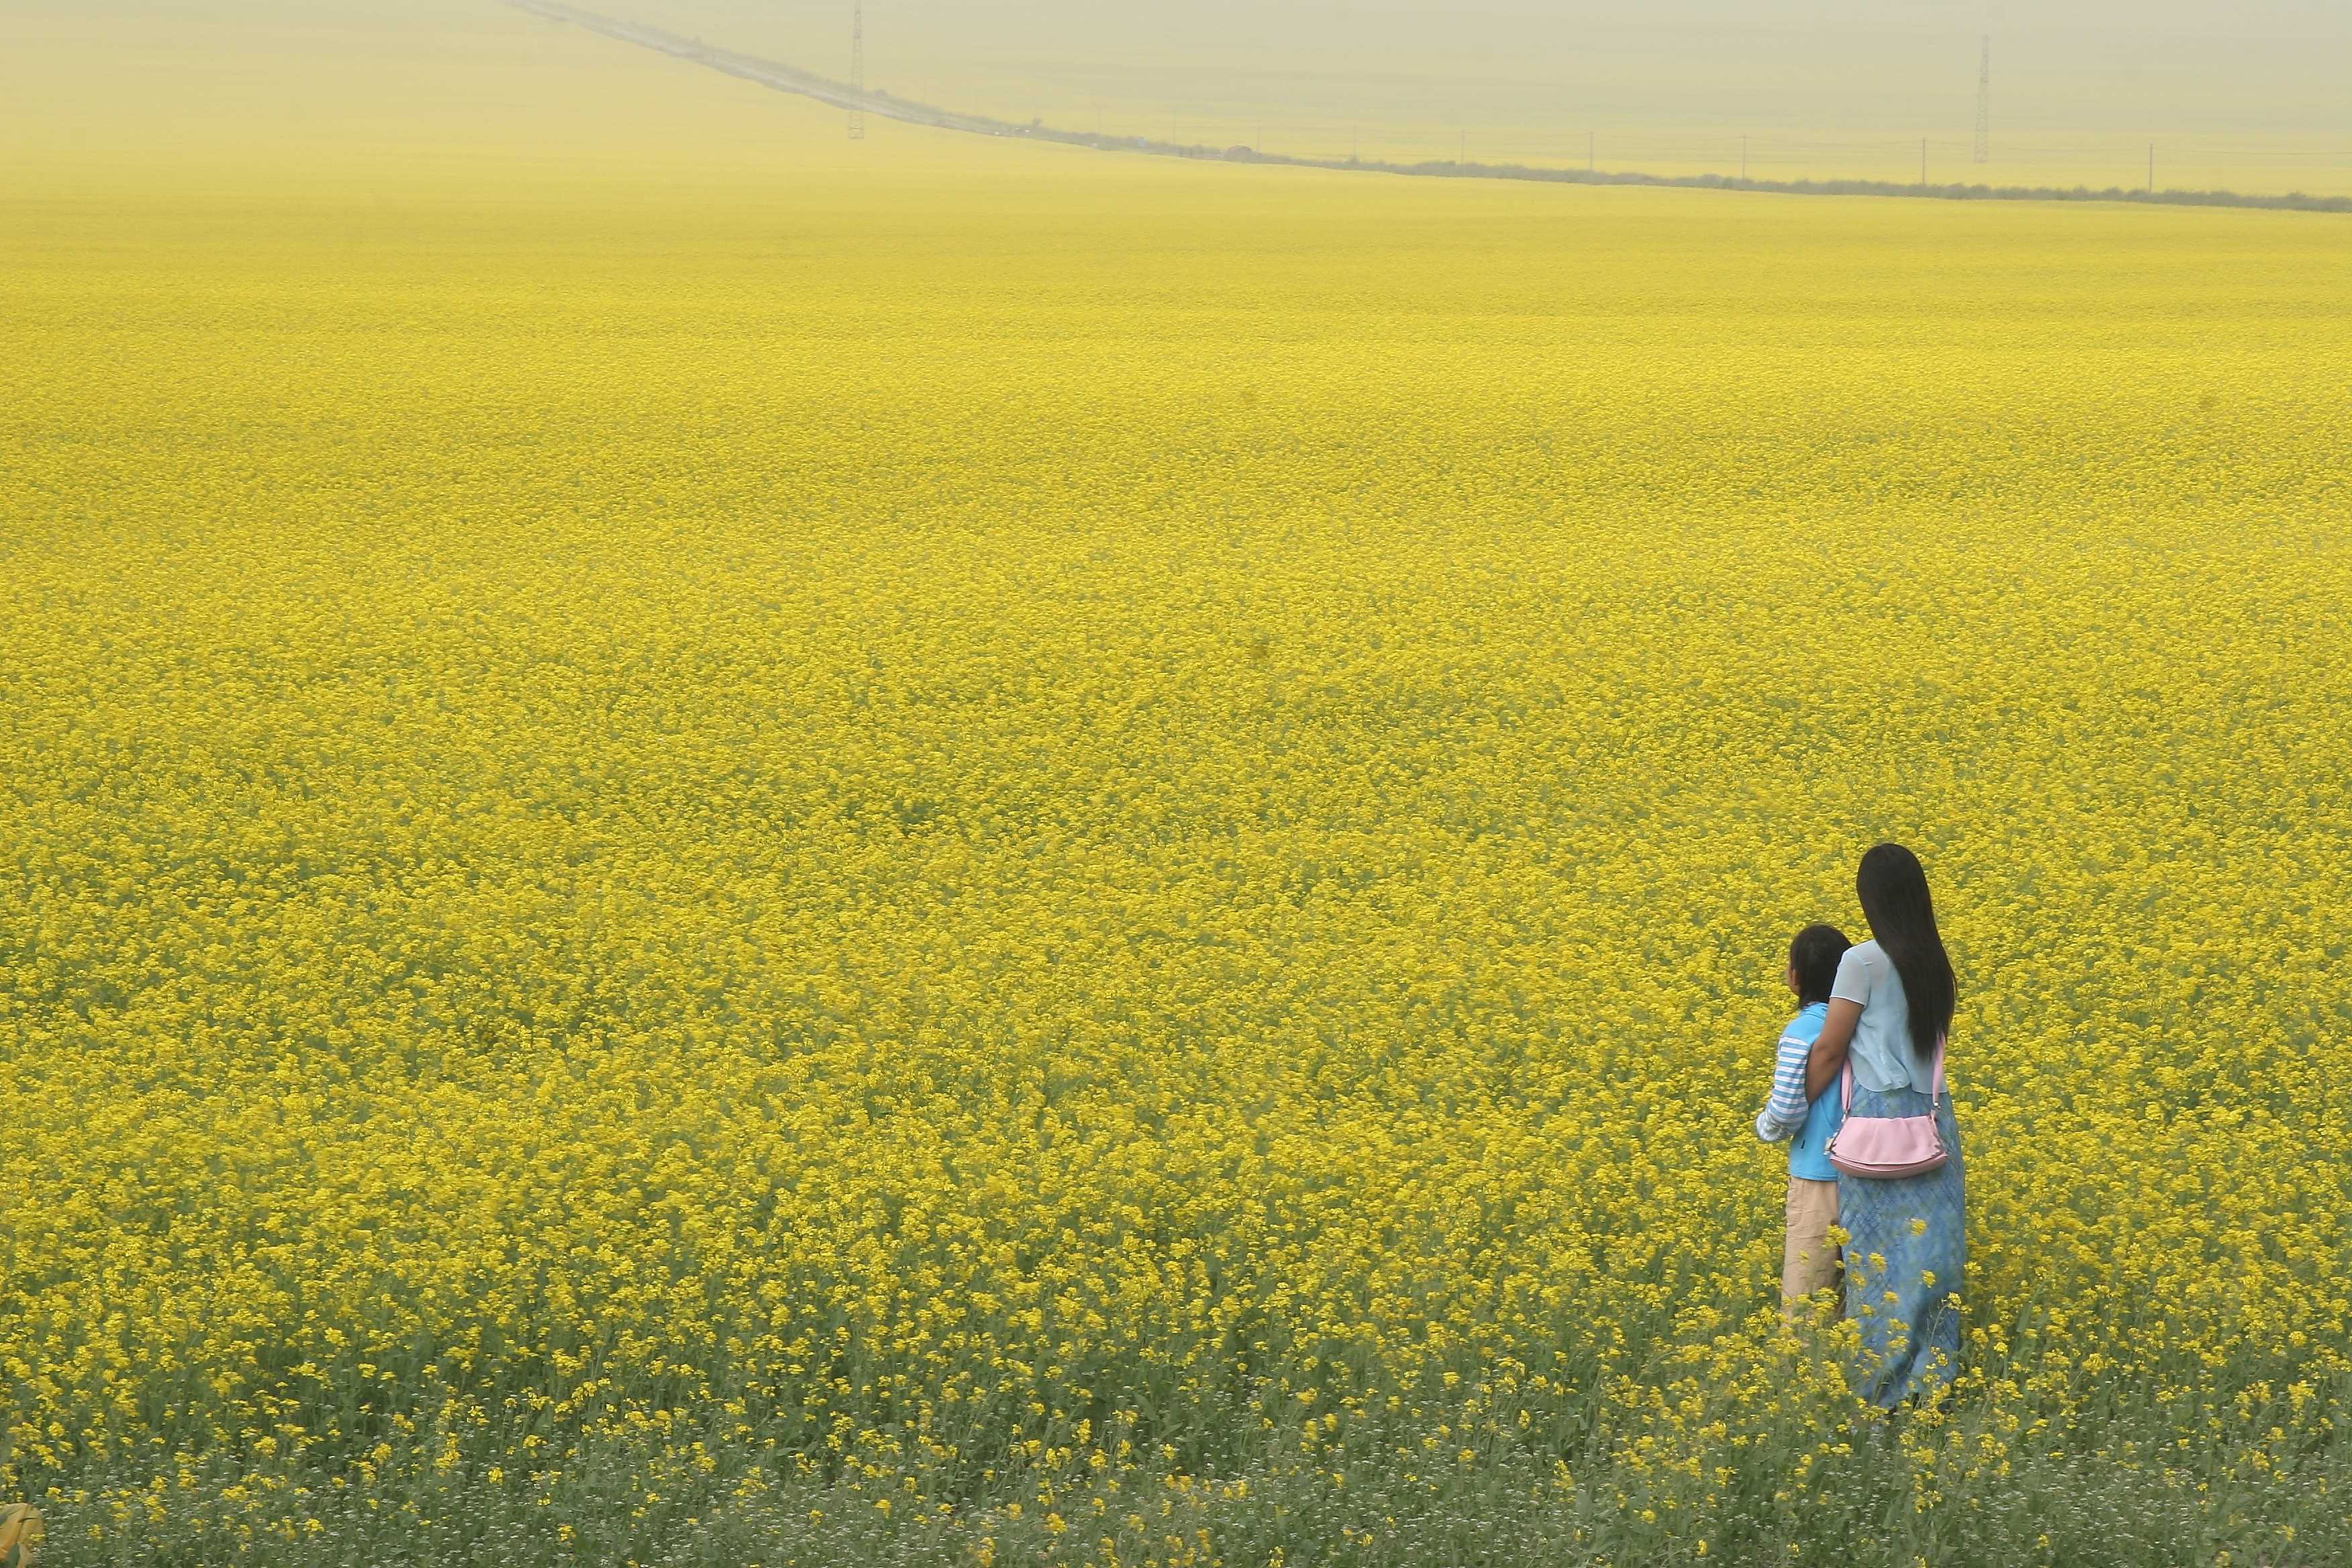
(1894, 892)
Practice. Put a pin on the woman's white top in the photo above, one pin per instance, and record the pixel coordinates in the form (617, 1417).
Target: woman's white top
(1882, 1053)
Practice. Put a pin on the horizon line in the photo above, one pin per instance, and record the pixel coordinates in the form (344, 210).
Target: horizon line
(783, 78)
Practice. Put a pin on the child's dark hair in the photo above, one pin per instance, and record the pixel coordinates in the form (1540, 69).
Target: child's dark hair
(1814, 956)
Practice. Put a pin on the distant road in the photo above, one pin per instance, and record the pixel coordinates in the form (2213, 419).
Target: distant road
(782, 78)
(842, 95)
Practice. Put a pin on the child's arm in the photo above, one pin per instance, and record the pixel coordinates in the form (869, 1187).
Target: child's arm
(1784, 1113)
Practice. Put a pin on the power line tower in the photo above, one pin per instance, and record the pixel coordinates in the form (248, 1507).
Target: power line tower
(857, 67)
(1984, 101)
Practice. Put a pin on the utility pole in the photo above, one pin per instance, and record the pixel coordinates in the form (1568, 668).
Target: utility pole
(857, 67)
(1984, 100)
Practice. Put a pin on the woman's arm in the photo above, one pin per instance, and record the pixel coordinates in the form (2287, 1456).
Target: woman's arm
(1829, 1051)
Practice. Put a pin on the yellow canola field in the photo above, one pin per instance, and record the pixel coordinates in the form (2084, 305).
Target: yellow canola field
(979, 818)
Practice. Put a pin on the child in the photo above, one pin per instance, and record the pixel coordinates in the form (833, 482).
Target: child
(1810, 1260)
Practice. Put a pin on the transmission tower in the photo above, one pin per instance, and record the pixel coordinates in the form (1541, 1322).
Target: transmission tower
(858, 68)
(1984, 101)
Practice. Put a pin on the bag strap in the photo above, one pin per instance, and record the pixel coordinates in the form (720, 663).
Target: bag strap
(1934, 1094)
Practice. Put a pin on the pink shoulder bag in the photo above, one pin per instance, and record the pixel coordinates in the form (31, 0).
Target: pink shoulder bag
(1884, 1147)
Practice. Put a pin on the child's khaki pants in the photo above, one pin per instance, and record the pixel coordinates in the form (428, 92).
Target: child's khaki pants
(1809, 1261)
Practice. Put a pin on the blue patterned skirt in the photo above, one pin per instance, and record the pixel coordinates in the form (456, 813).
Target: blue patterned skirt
(1906, 1254)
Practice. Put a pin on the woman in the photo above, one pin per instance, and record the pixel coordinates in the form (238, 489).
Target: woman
(1907, 1246)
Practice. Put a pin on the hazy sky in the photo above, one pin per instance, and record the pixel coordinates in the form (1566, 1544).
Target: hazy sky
(2251, 95)
(2130, 66)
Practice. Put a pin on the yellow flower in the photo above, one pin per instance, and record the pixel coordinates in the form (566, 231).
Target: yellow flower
(729, 810)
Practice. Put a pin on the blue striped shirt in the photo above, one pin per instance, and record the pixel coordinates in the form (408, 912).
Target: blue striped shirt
(1787, 1112)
